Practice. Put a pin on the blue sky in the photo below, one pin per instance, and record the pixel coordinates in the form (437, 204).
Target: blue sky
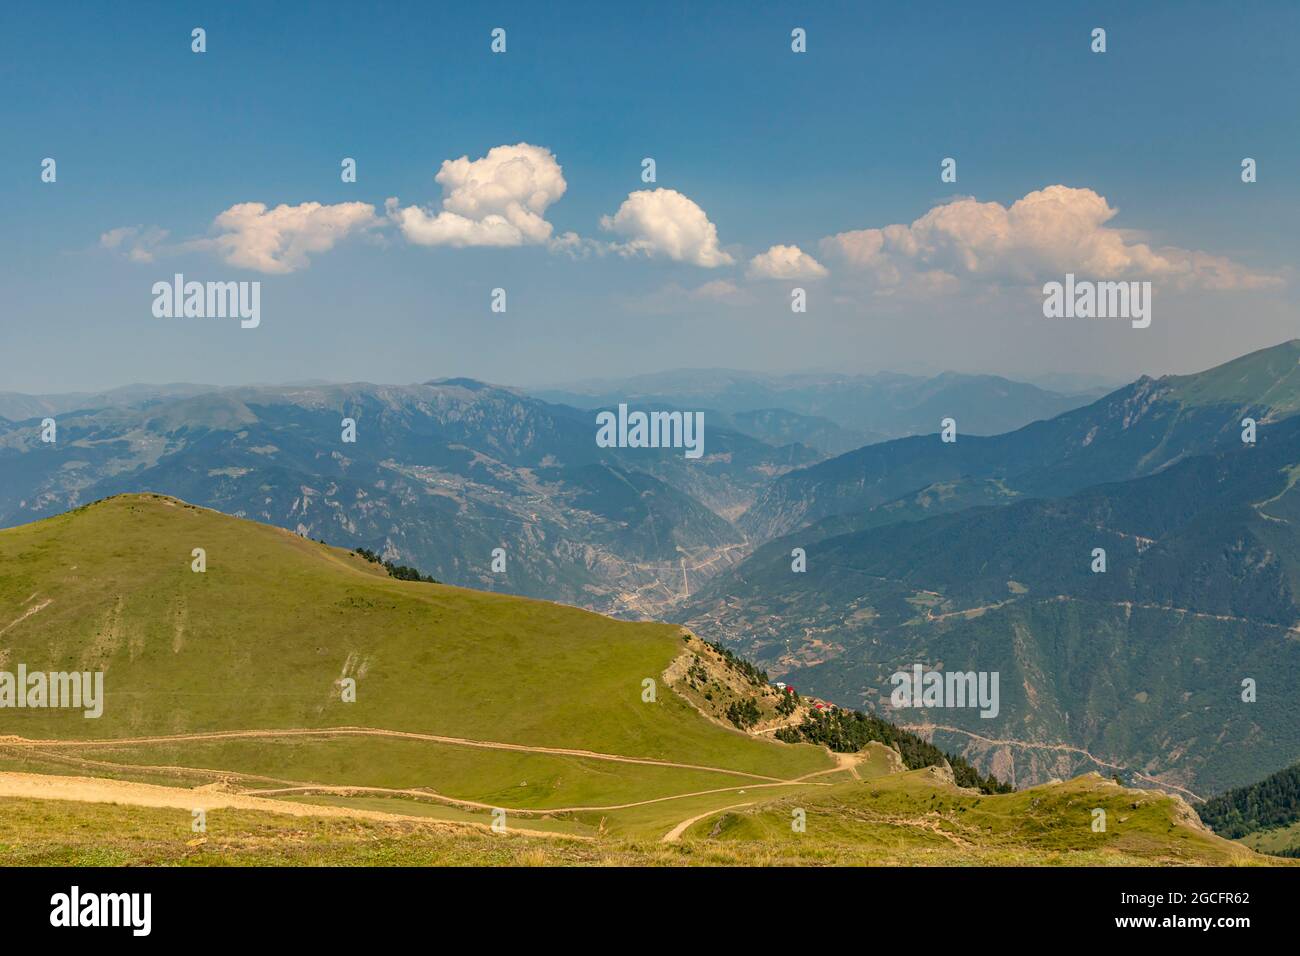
(773, 148)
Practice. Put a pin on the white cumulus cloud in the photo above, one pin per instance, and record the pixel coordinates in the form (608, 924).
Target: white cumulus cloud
(252, 236)
(1047, 233)
(498, 200)
(663, 222)
(785, 262)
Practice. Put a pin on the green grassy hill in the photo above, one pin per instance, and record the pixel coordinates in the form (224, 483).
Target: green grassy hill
(222, 690)
(907, 819)
(261, 639)
(1043, 824)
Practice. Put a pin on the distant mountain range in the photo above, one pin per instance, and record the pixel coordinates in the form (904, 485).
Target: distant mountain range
(16, 406)
(830, 412)
(1133, 431)
(444, 473)
(975, 555)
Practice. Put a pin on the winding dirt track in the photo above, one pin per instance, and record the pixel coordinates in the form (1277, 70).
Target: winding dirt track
(94, 789)
(372, 732)
(100, 790)
(675, 834)
(307, 789)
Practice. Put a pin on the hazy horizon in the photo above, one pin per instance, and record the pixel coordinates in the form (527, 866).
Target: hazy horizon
(1090, 380)
(591, 381)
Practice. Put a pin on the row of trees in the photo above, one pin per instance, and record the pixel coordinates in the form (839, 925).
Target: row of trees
(400, 571)
(848, 731)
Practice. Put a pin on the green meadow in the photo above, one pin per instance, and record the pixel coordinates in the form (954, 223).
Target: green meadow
(261, 639)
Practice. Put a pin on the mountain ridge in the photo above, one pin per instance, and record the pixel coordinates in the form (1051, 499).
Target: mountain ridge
(1135, 430)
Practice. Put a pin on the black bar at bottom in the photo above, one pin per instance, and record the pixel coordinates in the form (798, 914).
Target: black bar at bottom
(797, 905)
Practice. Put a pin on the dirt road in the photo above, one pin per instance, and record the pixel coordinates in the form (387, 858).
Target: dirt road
(370, 732)
(100, 790)
(675, 834)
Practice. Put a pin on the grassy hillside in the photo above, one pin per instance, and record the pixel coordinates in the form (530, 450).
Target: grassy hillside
(222, 693)
(261, 639)
(1046, 823)
(886, 819)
